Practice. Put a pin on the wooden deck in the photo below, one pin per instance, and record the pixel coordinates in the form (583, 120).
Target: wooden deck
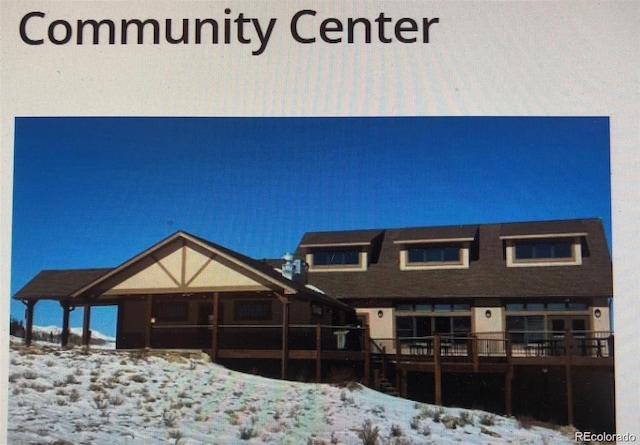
(490, 353)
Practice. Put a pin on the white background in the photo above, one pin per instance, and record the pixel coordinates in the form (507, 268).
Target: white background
(485, 58)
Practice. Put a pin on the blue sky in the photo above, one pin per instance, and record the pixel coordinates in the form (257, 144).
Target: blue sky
(93, 192)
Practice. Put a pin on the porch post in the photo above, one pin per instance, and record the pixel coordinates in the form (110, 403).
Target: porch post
(214, 327)
(149, 321)
(86, 322)
(285, 337)
(28, 335)
(64, 336)
(318, 353)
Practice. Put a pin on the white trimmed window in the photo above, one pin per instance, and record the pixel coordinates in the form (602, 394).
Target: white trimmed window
(535, 251)
(434, 254)
(337, 259)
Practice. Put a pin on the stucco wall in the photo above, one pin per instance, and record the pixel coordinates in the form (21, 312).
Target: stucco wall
(482, 323)
(380, 327)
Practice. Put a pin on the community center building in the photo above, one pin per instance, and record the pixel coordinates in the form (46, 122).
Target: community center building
(509, 317)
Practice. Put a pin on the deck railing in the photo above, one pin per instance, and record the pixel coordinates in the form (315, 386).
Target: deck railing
(559, 343)
(502, 344)
(264, 337)
(350, 338)
(300, 337)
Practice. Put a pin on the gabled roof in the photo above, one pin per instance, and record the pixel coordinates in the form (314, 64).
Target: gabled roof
(236, 257)
(75, 283)
(487, 275)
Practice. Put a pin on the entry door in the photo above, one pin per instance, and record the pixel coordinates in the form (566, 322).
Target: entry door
(363, 320)
(577, 324)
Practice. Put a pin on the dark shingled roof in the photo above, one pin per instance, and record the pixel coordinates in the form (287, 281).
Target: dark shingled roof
(432, 233)
(348, 236)
(548, 227)
(56, 284)
(487, 275)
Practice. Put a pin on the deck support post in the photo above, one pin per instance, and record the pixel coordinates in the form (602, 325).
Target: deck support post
(437, 375)
(367, 355)
(568, 351)
(214, 326)
(508, 383)
(86, 322)
(318, 353)
(398, 345)
(64, 336)
(150, 322)
(569, 384)
(403, 383)
(28, 334)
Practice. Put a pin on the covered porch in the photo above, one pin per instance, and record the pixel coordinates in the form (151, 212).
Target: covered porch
(188, 293)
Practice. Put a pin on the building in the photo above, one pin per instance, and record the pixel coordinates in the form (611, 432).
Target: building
(510, 317)
(510, 305)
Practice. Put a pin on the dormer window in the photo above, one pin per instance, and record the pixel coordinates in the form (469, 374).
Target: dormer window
(544, 250)
(336, 257)
(434, 254)
(349, 251)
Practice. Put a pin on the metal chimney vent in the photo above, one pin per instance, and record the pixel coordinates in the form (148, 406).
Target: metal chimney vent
(293, 269)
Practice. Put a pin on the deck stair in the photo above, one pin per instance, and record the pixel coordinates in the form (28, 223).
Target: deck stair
(386, 387)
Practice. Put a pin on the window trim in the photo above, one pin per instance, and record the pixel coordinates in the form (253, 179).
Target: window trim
(359, 267)
(462, 263)
(574, 260)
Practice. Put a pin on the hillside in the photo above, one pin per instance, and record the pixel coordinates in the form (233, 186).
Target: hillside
(112, 397)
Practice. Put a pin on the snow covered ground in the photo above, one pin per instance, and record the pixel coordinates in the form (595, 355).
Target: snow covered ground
(57, 330)
(110, 397)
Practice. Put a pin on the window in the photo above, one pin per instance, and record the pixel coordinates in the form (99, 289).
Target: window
(252, 310)
(336, 257)
(536, 251)
(171, 311)
(424, 307)
(543, 250)
(434, 254)
(426, 326)
(533, 322)
(527, 328)
(555, 306)
(316, 310)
